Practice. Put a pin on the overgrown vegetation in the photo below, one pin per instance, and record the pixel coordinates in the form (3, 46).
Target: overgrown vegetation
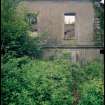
(14, 33)
(99, 14)
(38, 82)
(35, 82)
(26, 80)
(92, 88)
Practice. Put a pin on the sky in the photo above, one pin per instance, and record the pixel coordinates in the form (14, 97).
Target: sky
(69, 19)
(102, 1)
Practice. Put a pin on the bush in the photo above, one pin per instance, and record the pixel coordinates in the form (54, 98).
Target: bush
(35, 82)
(91, 88)
(92, 93)
(15, 39)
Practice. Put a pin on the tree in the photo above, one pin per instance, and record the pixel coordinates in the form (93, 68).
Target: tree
(14, 32)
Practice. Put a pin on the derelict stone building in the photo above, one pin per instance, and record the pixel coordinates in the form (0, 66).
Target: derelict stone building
(66, 22)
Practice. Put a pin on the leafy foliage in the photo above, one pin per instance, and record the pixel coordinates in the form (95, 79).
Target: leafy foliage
(92, 87)
(14, 32)
(92, 93)
(99, 12)
(35, 82)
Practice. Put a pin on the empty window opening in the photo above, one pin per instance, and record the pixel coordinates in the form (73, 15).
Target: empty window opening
(31, 19)
(69, 26)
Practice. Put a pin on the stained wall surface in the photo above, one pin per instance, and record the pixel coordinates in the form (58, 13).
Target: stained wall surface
(51, 19)
(75, 55)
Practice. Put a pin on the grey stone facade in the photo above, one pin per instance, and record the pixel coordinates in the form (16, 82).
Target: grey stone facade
(51, 20)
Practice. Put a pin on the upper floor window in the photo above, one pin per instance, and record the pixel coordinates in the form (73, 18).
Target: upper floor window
(69, 18)
(31, 18)
(69, 25)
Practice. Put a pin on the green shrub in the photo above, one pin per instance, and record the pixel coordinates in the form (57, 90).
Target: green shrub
(92, 93)
(15, 39)
(35, 82)
(94, 70)
(91, 88)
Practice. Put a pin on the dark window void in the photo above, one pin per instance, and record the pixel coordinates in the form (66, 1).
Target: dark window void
(102, 51)
(69, 26)
(72, 14)
(31, 19)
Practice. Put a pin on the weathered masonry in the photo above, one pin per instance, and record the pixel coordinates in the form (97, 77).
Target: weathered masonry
(66, 23)
(74, 55)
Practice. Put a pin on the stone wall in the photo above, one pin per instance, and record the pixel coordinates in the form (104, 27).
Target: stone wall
(75, 55)
(51, 18)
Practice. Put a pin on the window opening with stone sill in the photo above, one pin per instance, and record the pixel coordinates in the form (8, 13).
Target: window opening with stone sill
(32, 20)
(69, 26)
